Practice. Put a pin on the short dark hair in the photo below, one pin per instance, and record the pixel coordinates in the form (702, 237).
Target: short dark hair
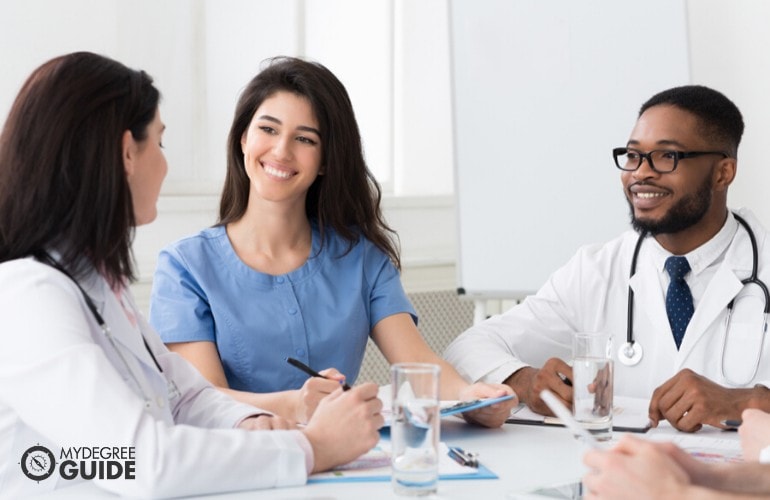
(63, 184)
(720, 118)
(346, 197)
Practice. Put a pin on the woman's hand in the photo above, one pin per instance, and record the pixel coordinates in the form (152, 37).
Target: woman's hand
(314, 390)
(755, 433)
(344, 426)
(266, 423)
(490, 416)
(634, 469)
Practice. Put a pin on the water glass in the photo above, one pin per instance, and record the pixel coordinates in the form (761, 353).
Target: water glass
(592, 382)
(415, 428)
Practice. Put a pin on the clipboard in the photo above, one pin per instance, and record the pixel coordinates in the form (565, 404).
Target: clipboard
(448, 407)
(629, 415)
(463, 406)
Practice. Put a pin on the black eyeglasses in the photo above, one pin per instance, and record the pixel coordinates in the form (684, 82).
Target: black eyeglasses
(660, 160)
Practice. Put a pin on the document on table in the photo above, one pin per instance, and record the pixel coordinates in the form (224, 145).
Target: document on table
(705, 448)
(375, 466)
(628, 415)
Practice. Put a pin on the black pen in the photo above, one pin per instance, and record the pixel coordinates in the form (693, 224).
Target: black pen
(564, 379)
(305, 368)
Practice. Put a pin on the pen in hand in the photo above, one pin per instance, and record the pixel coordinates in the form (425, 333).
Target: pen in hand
(565, 379)
(305, 368)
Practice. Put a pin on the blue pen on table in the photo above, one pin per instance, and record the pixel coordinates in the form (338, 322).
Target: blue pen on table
(305, 368)
(731, 424)
(463, 457)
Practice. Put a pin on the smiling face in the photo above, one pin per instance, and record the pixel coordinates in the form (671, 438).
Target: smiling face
(692, 198)
(282, 149)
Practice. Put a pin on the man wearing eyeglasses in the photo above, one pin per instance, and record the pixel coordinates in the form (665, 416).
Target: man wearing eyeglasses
(689, 325)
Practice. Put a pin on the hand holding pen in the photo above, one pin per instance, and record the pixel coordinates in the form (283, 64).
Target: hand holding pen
(305, 368)
(555, 375)
(316, 388)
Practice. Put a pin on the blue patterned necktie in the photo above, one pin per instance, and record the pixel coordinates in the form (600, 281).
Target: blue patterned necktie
(679, 306)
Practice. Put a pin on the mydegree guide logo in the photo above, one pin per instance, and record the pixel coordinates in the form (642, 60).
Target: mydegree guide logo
(39, 463)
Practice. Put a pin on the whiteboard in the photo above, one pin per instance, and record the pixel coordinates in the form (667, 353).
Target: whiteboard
(542, 90)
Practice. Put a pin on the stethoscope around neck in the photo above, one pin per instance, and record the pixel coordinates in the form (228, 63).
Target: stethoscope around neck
(45, 258)
(630, 353)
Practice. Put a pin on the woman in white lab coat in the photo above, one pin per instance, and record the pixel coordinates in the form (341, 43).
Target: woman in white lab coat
(80, 166)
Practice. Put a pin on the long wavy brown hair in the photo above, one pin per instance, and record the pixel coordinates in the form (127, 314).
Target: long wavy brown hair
(347, 197)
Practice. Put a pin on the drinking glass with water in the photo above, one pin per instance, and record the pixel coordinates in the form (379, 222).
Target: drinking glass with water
(415, 428)
(592, 381)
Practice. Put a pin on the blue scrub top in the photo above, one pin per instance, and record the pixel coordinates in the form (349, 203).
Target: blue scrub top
(321, 313)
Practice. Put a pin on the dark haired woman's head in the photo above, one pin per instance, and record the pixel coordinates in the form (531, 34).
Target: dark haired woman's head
(346, 197)
(63, 183)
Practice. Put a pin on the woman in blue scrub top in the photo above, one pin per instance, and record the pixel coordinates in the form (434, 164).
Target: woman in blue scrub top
(301, 262)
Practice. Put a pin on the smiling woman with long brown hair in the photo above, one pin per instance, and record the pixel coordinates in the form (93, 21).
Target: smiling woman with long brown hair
(301, 263)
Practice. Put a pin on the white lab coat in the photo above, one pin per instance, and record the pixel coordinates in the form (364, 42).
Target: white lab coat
(62, 384)
(590, 294)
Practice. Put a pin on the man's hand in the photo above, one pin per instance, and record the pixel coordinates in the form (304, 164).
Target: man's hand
(688, 401)
(601, 388)
(529, 382)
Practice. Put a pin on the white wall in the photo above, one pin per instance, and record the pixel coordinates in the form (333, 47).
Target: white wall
(730, 42)
(392, 56)
(539, 104)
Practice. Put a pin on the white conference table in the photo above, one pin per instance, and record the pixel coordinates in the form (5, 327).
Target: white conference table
(525, 457)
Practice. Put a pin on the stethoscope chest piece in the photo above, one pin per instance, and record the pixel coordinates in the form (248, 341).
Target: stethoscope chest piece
(630, 353)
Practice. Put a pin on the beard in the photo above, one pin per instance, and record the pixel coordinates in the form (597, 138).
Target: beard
(684, 214)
